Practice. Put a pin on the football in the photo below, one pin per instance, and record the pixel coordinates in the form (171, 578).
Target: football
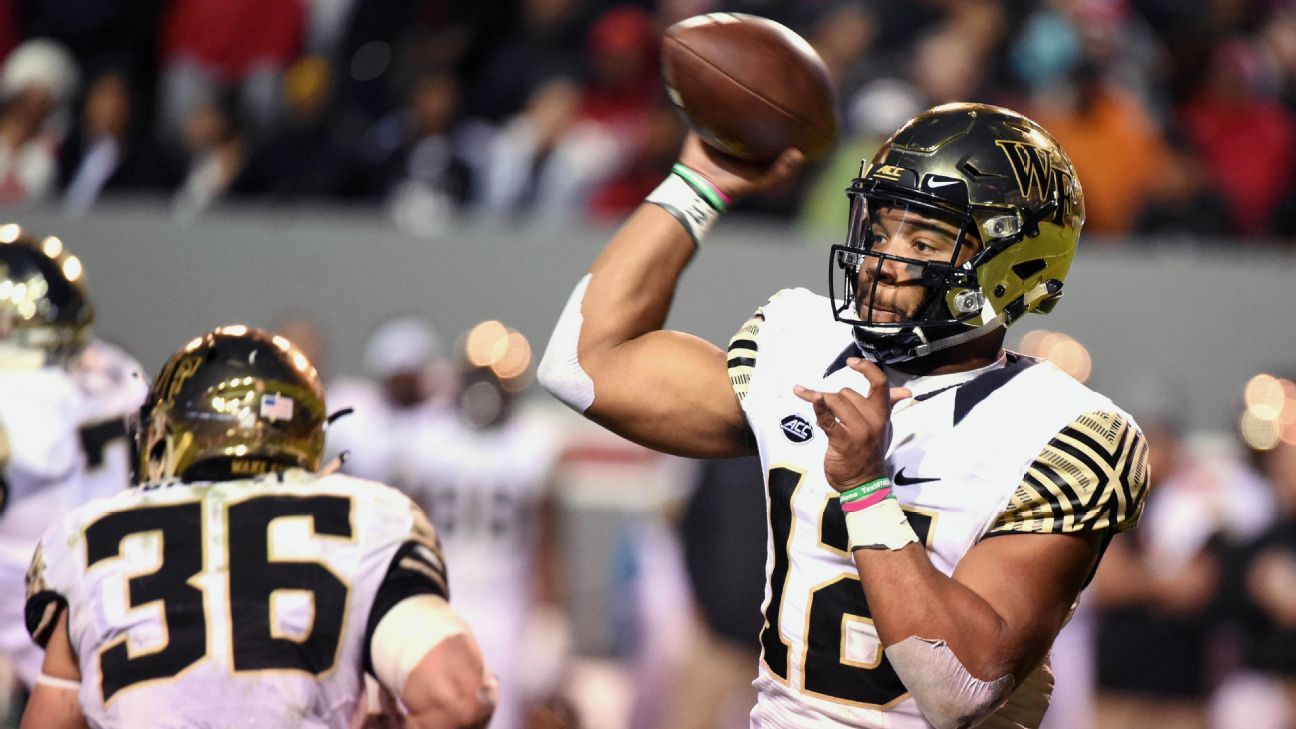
(749, 86)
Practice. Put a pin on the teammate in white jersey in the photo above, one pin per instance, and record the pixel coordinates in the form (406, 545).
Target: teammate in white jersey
(486, 485)
(236, 585)
(64, 404)
(922, 556)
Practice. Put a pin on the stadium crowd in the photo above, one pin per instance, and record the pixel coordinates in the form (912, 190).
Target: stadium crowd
(545, 109)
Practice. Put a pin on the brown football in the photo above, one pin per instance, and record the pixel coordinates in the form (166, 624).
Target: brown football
(749, 86)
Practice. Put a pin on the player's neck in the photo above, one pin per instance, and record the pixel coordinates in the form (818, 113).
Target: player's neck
(975, 354)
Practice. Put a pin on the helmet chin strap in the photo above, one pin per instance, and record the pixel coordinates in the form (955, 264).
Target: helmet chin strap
(926, 346)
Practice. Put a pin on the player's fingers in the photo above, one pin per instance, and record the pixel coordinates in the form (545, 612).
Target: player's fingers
(787, 163)
(828, 410)
(877, 379)
(843, 415)
(823, 415)
(900, 393)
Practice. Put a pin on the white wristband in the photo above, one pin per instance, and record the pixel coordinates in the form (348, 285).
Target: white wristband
(691, 209)
(882, 526)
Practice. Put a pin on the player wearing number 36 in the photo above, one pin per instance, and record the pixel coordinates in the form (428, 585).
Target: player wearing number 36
(936, 503)
(236, 585)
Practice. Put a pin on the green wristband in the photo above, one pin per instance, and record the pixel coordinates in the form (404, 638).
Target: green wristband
(865, 490)
(702, 187)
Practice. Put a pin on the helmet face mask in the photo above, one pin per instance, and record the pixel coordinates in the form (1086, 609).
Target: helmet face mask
(1000, 200)
(236, 403)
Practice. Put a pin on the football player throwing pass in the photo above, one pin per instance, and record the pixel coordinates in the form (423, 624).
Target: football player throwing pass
(936, 503)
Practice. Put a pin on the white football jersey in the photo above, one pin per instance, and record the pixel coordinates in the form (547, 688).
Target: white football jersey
(482, 488)
(1015, 447)
(66, 432)
(231, 604)
(383, 442)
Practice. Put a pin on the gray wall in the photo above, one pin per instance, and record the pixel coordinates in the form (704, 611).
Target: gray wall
(1193, 322)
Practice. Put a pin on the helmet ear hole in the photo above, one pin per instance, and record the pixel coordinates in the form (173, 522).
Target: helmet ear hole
(1026, 269)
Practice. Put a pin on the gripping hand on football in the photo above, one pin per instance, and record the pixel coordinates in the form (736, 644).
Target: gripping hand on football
(856, 426)
(737, 178)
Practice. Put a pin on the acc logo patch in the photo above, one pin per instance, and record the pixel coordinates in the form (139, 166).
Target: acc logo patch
(796, 428)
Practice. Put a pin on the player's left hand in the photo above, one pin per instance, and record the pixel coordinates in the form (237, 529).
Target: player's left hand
(857, 426)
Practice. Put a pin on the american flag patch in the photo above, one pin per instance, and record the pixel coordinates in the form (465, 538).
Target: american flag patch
(276, 407)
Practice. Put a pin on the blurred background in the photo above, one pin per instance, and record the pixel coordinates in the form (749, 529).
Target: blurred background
(410, 188)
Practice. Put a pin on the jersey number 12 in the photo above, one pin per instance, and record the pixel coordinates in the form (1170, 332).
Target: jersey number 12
(827, 671)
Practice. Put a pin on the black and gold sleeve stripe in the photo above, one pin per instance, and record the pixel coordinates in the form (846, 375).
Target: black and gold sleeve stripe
(44, 605)
(1092, 475)
(742, 354)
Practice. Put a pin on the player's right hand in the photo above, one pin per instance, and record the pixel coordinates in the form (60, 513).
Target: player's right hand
(737, 178)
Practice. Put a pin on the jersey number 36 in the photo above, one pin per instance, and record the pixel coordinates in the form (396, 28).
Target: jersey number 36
(255, 575)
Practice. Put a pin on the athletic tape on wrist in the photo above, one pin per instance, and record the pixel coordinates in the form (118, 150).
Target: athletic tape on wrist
(882, 525)
(693, 201)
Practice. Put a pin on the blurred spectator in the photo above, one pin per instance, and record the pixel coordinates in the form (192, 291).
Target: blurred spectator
(1182, 201)
(108, 151)
(651, 160)
(309, 155)
(723, 535)
(239, 47)
(843, 36)
(872, 114)
(421, 160)
(543, 163)
(1115, 146)
(215, 152)
(1278, 46)
(100, 35)
(542, 39)
(624, 82)
(36, 87)
(1248, 141)
(1260, 604)
(1154, 591)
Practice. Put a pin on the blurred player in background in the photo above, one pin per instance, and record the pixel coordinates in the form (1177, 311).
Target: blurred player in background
(237, 584)
(923, 558)
(65, 399)
(399, 409)
(486, 484)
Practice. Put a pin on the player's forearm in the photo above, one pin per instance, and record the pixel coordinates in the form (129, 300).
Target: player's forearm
(633, 281)
(908, 596)
(449, 688)
(53, 708)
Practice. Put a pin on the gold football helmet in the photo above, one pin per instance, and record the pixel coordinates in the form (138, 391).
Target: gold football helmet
(45, 315)
(235, 403)
(1005, 185)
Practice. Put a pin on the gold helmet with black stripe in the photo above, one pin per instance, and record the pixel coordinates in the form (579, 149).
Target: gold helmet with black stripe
(45, 314)
(1011, 193)
(234, 403)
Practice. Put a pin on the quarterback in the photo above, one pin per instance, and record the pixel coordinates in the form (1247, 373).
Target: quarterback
(65, 400)
(235, 585)
(936, 503)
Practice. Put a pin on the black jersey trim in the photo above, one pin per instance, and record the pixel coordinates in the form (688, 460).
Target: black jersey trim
(416, 569)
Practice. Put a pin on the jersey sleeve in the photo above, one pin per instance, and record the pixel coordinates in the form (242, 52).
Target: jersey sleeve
(44, 601)
(1092, 476)
(417, 568)
(742, 354)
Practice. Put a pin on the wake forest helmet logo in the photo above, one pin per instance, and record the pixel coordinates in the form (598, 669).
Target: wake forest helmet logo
(1037, 177)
